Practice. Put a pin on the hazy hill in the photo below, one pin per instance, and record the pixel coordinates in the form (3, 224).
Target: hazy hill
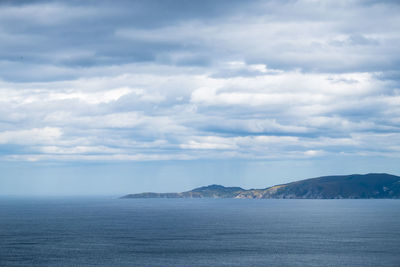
(211, 191)
(373, 185)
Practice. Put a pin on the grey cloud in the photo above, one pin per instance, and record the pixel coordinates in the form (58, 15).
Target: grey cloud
(62, 37)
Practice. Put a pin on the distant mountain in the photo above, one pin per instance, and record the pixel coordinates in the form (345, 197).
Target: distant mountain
(373, 185)
(211, 191)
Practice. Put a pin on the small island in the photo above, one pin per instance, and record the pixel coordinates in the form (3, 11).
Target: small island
(355, 186)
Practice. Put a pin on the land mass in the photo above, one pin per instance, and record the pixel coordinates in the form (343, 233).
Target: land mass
(372, 185)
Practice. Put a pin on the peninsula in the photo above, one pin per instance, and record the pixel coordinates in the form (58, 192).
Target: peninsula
(355, 186)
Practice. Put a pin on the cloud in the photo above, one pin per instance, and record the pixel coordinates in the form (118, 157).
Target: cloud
(199, 80)
(31, 137)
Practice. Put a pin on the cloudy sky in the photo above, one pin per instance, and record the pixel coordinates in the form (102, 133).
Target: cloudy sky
(111, 97)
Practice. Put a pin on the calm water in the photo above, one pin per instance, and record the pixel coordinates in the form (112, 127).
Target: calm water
(199, 232)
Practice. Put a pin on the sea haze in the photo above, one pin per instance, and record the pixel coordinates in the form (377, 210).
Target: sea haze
(198, 232)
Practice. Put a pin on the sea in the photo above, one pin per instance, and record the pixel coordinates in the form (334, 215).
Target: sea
(107, 231)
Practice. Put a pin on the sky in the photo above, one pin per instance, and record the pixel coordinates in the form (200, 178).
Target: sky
(115, 97)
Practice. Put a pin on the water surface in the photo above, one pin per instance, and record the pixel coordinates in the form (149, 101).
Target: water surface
(198, 232)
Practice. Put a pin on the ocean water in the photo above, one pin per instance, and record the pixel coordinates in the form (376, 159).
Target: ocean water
(198, 232)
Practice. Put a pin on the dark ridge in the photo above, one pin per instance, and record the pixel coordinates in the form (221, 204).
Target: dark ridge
(216, 187)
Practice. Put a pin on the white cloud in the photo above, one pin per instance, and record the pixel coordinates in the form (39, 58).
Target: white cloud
(78, 150)
(31, 136)
(290, 112)
(209, 142)
(94, 97)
